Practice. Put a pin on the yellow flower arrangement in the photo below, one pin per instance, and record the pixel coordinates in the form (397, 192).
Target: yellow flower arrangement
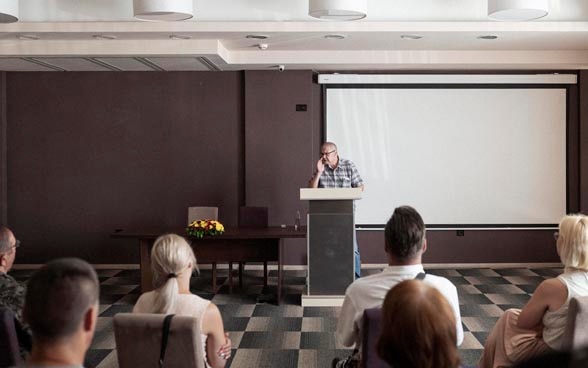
(200, 228)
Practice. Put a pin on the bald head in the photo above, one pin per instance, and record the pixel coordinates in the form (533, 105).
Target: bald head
(330, 145)
(7, 239)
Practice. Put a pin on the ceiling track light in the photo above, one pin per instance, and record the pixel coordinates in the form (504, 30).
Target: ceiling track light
(256, 37)
(517, 10)
(163, 10)
(337, 10)
(8, 11)
(410, 37)
(104, 37)
(28, 37)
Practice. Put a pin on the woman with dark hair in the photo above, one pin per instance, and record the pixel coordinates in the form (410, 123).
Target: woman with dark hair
(418, 328)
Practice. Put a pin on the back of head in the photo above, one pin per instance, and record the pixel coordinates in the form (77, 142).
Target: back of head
(171, 256)
(572, 243)
(58, 296)
(405, 233)
(418, 328)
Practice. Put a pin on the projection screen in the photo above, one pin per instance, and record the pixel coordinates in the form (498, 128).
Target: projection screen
(460, 156)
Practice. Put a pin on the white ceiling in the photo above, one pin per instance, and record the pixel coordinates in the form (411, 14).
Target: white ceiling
(449, 28)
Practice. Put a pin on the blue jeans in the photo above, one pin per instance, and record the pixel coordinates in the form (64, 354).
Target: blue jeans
(357, 257)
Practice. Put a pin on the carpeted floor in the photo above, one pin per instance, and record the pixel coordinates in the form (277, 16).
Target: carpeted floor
(266, 335)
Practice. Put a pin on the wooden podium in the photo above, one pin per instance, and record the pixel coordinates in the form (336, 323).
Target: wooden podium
(330, 238)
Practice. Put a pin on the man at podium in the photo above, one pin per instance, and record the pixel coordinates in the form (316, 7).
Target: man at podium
(335, 172)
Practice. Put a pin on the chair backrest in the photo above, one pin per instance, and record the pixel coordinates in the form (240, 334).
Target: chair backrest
(371, 328)
(138, 341)
(253, 217)
(9, 352)
(202, 213)
(576, 332)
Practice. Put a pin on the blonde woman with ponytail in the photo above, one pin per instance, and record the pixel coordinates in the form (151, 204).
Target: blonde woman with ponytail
(539, 327)
(172, 262)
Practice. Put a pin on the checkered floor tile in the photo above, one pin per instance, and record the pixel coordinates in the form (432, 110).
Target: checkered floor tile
(267, 335)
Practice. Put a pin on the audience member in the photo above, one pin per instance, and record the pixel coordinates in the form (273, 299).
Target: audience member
(538, 328)
(61, 307)
(558, 359)
(418, 328)
(12, 292)
(405, 244)
(173, 261)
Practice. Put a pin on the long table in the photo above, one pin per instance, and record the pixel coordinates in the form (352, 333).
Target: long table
(234, 245)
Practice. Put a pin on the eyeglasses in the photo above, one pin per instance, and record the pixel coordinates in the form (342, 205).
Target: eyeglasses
(327, 153)
(16, 245)
(556, 235)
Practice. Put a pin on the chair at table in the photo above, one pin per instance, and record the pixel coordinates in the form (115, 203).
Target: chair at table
(371, 328)
(138, 341)
(253, 217)
(202, 213)
(9, 351)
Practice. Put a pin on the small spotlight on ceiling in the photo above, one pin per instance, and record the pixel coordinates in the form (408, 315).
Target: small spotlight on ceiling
(179, 37)
(410, 37)
(487, 37)
(335, 37)
(256, 37)
(104, 37)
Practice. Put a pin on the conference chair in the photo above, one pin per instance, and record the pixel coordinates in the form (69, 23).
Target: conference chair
(371, 329)
(202, 213)
(576, 332)
(253, 217)
(9, 351)
(138, 341)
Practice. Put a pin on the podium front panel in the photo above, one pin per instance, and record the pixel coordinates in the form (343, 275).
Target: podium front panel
(330, 253)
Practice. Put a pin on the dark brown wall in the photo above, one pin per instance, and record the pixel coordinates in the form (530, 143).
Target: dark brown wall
(88, 153)
(583, 140)
(92, 152)
(279, 145)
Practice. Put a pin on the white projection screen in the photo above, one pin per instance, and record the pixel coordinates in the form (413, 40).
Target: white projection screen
(483, 157)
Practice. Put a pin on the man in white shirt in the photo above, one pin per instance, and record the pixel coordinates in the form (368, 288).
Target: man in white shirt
(405, 245)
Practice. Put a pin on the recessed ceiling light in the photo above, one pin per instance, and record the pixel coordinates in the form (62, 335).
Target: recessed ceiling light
(335, 36)
(104, 37)
(179, 37)
(256, 37)
(27, 37)
(487, 37)
(411, 37)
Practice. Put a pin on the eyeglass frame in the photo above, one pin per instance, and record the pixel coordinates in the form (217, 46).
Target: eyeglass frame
(327, 153)
(16, 245)
(556, 235)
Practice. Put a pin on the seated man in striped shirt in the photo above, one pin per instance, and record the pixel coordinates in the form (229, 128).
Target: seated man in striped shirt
(335, 172)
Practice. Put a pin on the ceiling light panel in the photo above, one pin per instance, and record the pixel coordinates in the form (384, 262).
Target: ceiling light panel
(179, 63)
(72, 64)
(125, 63)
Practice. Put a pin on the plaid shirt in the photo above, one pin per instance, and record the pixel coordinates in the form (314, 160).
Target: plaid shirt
(345, 175)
